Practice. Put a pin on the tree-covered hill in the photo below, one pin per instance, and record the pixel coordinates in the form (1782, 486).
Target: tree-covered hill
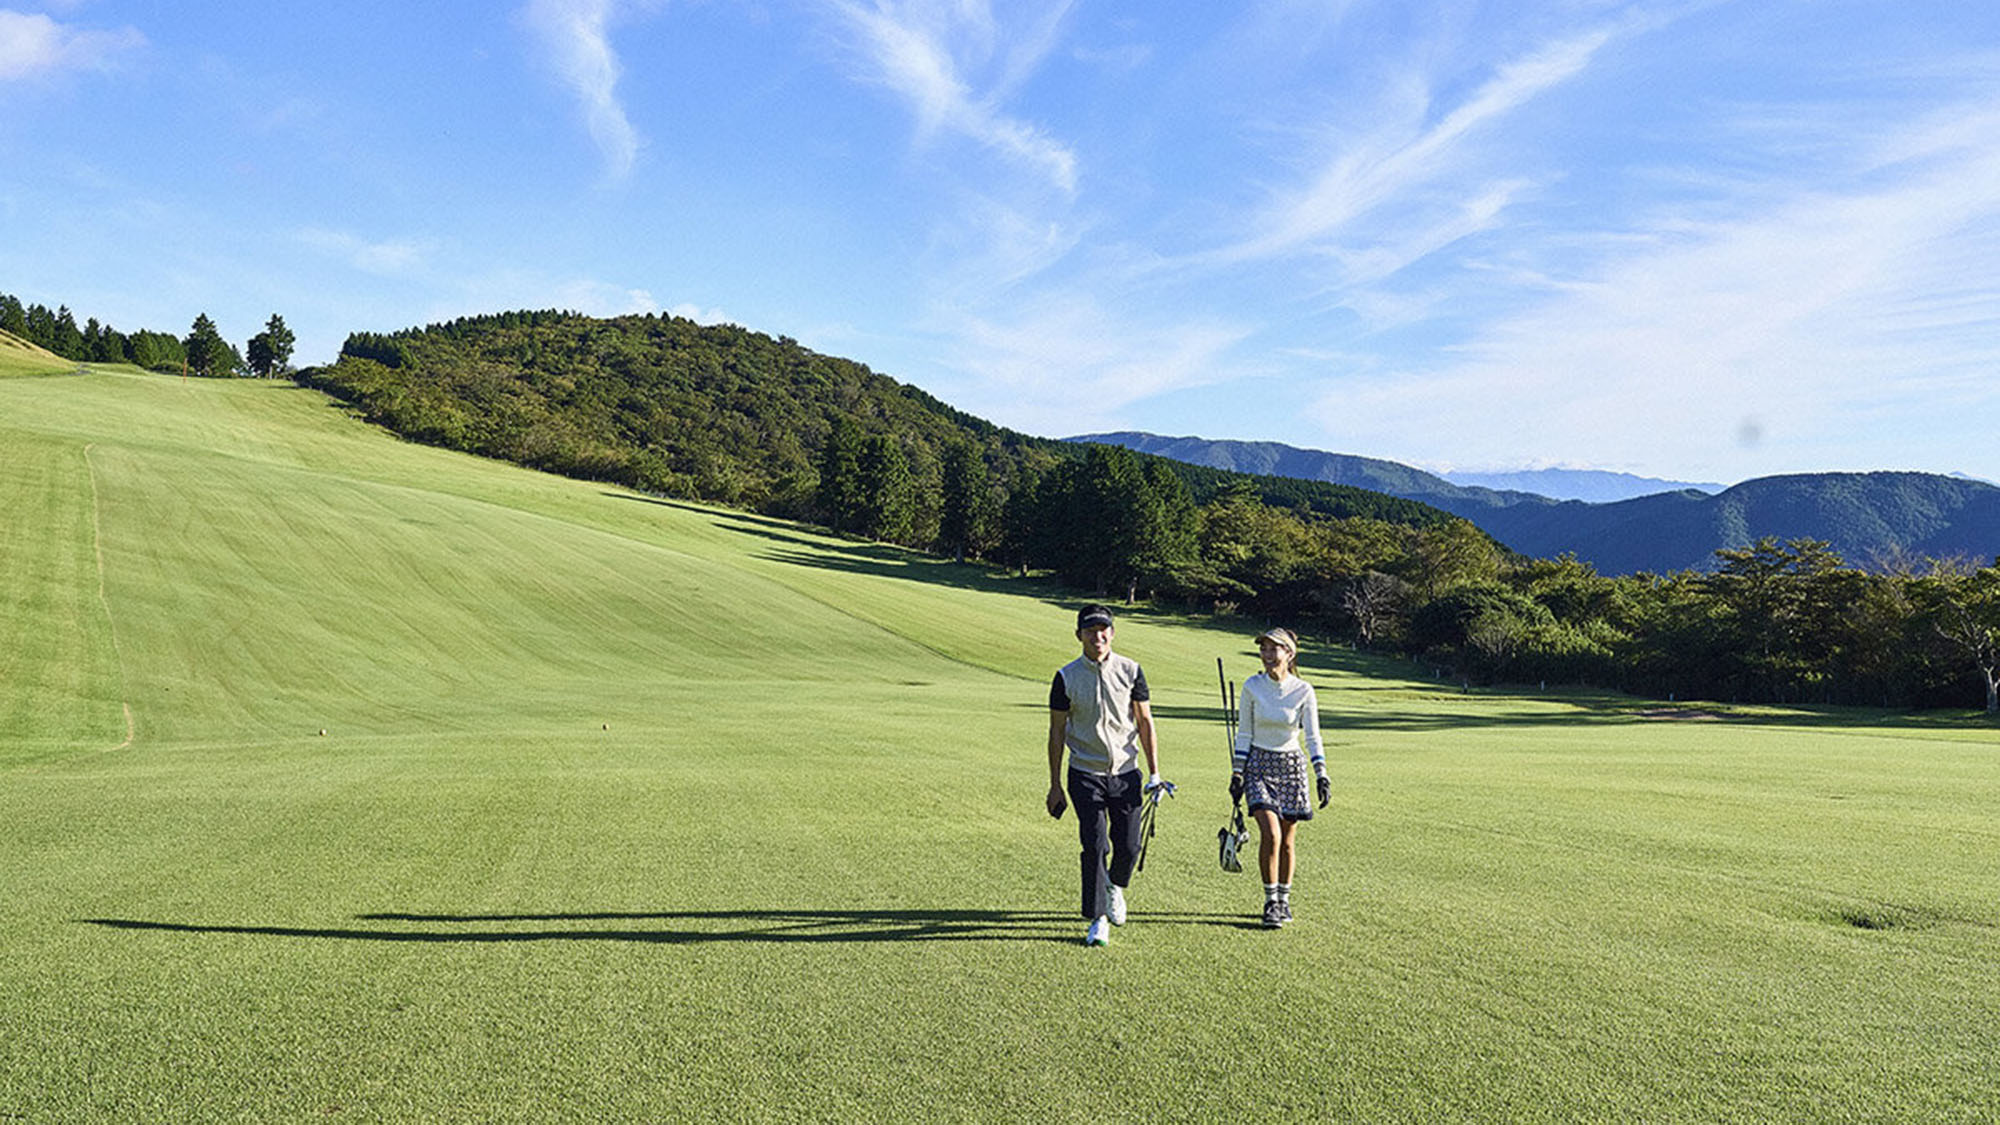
(713, 412)
(1870, 518)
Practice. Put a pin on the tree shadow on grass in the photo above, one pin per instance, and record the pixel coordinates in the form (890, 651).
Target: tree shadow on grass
(701, 510)
(829, 550)
(880, 560)
(693, 927)
(798, 545)
(1422, 684)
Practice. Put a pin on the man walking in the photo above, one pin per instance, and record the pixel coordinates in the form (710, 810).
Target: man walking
(1099, 711)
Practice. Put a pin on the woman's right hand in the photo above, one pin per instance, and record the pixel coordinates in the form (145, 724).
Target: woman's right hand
(1235, 787)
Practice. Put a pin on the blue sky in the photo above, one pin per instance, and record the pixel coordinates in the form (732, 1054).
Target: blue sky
(1703, 240)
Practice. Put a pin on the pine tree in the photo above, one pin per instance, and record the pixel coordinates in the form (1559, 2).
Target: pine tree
(68, 341)
(207, 352)
(155, 351)
(888, 490)
(965, 516)
(39, 326)
(839, 495)
(270, 351)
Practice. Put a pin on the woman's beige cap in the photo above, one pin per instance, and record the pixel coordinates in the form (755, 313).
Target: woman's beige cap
(1282, 637)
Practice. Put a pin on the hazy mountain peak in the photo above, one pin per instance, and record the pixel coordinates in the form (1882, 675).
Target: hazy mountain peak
(1593, 486)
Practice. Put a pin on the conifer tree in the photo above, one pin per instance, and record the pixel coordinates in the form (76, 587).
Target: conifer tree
(68, 341)
(965, 514)
(888, 490)
(270, 351)
(839, 496)
(207, 352)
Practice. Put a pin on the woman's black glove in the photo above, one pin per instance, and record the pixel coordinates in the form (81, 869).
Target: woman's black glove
(1325, 790)
(1235, 788)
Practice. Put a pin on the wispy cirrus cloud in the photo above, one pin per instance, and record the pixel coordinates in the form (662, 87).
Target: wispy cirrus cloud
(1414, 154)
(385, 258)
(1066, 363)
(32, 44)
(1865, 307)
(927, 52)
(574, 36)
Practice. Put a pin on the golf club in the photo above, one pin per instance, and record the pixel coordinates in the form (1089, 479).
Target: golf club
(1147, 818)
(1235, 835)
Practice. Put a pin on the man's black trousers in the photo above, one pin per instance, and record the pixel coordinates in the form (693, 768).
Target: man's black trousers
(1107, 821)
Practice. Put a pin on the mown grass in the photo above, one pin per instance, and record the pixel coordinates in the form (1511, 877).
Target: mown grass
(628, 809)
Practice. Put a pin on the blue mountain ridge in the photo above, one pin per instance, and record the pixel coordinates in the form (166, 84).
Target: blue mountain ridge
(1870, 518)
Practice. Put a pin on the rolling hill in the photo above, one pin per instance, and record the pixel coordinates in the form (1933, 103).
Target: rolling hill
(1867, 517)
(19, 354)
(708, 412)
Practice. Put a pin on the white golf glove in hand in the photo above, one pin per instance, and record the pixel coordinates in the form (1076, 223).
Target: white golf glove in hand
(1158, 784)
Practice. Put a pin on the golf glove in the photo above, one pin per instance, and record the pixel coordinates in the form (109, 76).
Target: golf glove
(1235, 788)
(1325, 790)
(1159, 785)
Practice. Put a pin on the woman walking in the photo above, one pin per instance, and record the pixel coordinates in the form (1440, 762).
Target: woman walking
(1277, 712)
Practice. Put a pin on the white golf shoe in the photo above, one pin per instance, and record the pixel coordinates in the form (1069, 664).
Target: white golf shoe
(1099, 932)
(1116, 902)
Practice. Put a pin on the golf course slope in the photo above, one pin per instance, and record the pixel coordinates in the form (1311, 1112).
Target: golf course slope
(345, 778)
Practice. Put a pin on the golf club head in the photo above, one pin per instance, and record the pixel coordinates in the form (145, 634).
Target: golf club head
(1230, 848)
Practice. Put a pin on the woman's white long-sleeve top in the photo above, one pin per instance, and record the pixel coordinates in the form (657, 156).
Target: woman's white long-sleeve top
(1276, 716)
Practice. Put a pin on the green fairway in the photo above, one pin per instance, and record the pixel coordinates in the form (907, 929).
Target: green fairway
(342, 777)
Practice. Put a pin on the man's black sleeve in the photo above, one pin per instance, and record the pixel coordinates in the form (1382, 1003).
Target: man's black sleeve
(1058, 695)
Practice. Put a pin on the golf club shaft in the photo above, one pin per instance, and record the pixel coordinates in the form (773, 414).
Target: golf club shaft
(1228, 707)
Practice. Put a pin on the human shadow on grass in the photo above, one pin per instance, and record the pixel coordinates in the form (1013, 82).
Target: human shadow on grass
(695, 927)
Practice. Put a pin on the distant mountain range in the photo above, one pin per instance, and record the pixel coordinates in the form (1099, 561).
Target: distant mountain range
(1594, 485)
(1867, 517)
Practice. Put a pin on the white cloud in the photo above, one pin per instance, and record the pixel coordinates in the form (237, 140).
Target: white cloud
(32, 44)
(511, 288)
(923, 49)
(574, 33)
(689, 311)
(385, 258)
(1065, 364)
(993, 243)
(603, 299)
